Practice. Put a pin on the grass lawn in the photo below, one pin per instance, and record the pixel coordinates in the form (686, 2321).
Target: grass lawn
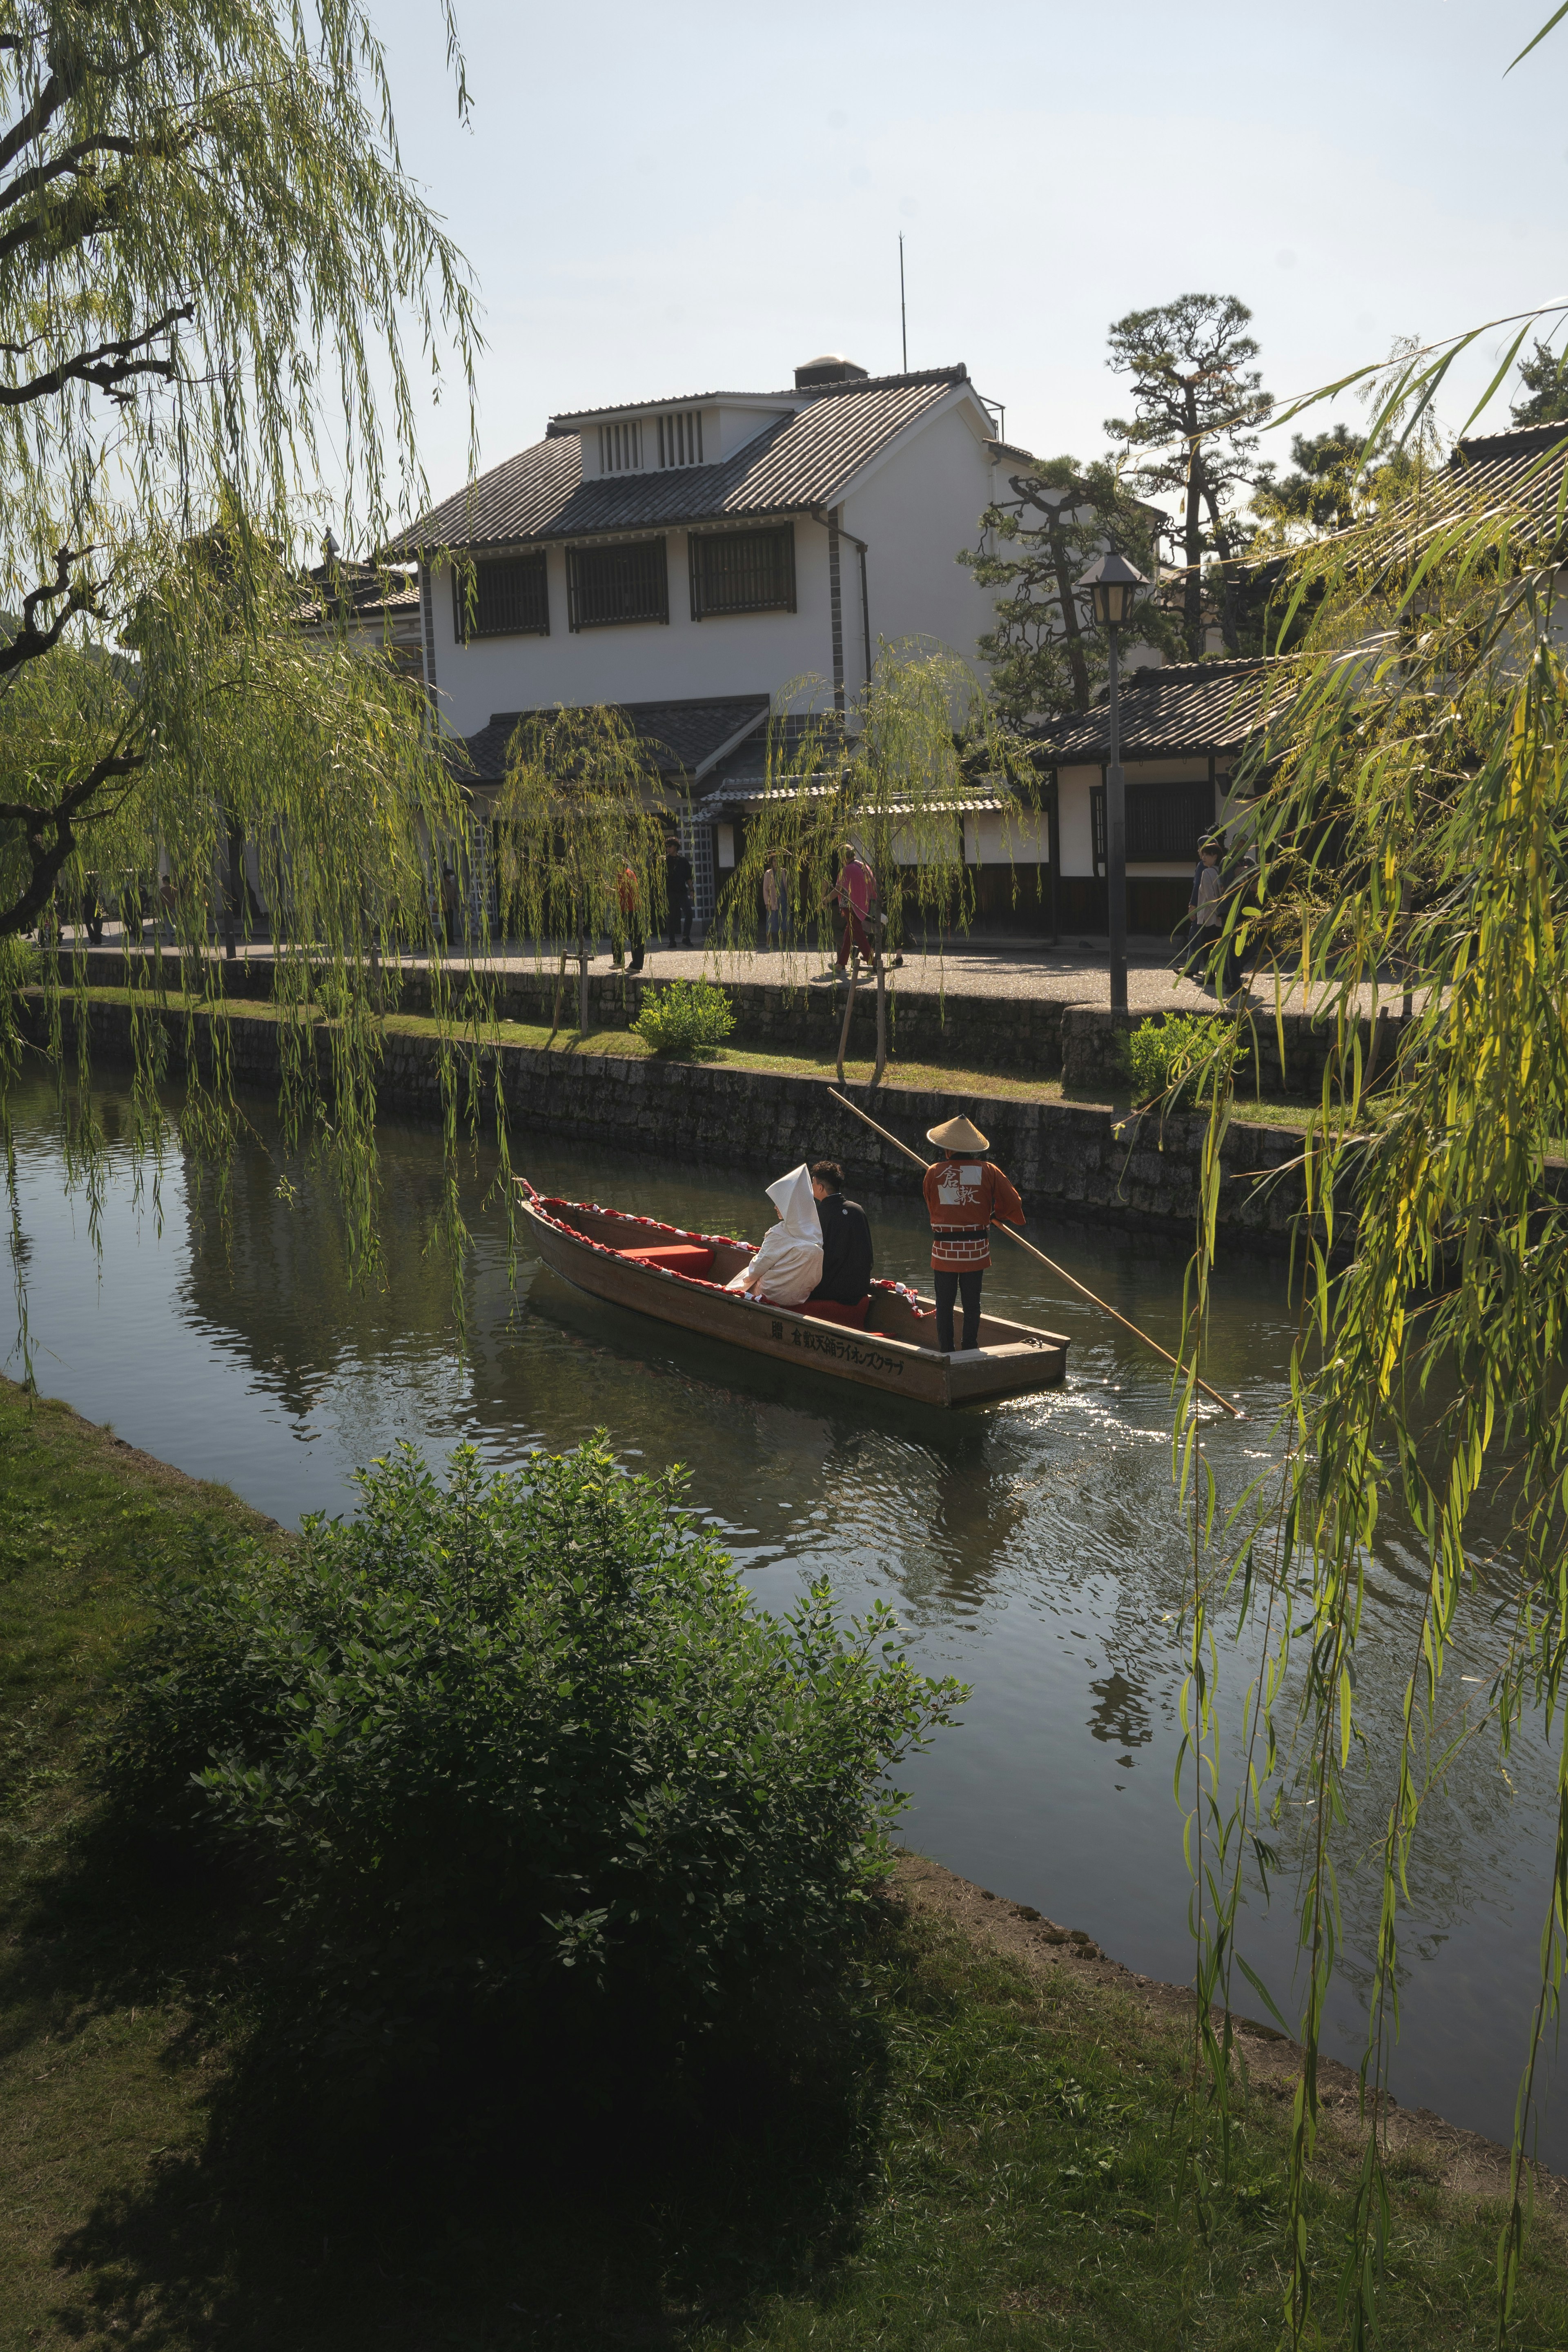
(956, 2148)
(942, 1077)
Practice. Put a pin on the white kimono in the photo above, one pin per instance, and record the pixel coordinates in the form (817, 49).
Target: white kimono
(787, 1267)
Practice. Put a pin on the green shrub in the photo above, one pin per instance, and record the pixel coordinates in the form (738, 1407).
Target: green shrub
(1181, 1057)
(688, 1017)
(520, 1724)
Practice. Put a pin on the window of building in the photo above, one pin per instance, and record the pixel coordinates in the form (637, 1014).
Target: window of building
(505, 597)
(1164, 822)
(743, 572)
(681, 437)
(609, 585)
(620, 446)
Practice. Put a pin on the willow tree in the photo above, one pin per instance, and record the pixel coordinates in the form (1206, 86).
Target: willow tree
(211, 264)
(921, 752)
(1414, 816)
(582, 830)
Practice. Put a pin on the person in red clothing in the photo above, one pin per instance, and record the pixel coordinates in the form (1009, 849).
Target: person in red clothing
(964, 1195)
(855, 896)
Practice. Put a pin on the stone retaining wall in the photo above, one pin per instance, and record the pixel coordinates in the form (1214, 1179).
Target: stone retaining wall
(1082, 1159)
(1040, 1035)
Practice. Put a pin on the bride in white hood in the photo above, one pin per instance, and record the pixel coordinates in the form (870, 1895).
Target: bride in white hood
(787, 1267)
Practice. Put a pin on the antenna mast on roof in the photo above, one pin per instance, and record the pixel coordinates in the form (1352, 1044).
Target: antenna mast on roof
(903, 316)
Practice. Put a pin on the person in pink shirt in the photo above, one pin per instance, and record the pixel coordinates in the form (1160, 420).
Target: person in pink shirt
(854, 894)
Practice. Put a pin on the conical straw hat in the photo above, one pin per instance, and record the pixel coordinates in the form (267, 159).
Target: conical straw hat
(958, 1135)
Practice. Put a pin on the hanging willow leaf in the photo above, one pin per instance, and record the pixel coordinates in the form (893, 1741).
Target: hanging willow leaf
(211, 265)
(1411, 817)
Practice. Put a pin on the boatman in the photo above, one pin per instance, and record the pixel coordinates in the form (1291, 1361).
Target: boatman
(964, 1195)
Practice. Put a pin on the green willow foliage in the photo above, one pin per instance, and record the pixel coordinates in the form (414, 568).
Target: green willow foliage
(1412, 822)
(210, 269)
(922, 748)
(581, 827)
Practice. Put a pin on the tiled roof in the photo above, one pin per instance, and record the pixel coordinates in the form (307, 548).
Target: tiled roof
(683, 737)
(744, 796)
(360, 587)
(1182, 709)
(803, 461)
(794, 397)
(1512, 474)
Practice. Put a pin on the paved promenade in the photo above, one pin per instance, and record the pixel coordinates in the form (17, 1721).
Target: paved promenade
(1075, 972)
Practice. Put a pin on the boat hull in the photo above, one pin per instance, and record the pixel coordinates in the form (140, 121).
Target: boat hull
(1014, 1358)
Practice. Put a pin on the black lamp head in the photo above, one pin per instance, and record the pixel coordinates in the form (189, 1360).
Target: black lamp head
(1112, 584)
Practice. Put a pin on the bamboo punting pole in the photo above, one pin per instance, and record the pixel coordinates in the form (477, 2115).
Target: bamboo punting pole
(1060, 1271)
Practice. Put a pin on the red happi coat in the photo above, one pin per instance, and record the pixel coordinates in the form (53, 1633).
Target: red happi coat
(962, 1196)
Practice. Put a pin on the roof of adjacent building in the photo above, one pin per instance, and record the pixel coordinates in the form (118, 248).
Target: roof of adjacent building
(362, 592)
(684, 739)
(803, 461)
(1514, 476)
(1181, 708)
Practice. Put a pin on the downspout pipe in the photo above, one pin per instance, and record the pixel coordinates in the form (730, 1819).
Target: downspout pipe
(830, 517)
(862, 550)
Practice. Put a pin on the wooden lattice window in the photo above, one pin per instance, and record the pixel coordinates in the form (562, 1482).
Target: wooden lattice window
(743, 572)
(1164, 822)
(504, 597)
(606, 585)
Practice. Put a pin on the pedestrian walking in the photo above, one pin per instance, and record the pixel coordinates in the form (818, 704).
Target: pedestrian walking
(677, 891)
(451, 902)
(855, 895)
(630, 922)
(1204, 910)
(774, 902)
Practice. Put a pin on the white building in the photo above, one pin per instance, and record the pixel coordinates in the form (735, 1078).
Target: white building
(692, 560)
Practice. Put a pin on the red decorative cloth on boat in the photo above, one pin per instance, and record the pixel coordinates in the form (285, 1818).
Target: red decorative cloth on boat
(833, 1310)
(676, 1258)
(961, 1197)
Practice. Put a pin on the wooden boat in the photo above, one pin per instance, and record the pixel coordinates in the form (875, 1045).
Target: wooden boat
(679, 1276)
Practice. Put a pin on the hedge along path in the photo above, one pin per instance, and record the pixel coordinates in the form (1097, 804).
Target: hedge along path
(1061, 1273)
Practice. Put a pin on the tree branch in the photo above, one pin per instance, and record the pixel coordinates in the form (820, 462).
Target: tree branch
(30, 641)
(33, 182)
(109, 366)
(48, 857)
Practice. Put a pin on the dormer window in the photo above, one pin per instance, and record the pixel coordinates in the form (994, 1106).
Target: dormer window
(620, 446)
(681, 437)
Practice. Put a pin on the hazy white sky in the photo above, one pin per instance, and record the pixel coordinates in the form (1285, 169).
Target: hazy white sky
(661, 200)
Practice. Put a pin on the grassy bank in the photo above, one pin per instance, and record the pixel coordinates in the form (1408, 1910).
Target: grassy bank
(957, 2147)
(967, 1078)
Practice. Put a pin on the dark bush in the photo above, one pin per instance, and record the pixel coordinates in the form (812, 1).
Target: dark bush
(491, 1732)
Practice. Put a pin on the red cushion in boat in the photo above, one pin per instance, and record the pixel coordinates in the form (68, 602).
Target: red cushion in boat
(833, 1310)
(676, 1258)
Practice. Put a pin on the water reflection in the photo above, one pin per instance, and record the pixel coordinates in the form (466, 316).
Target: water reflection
(1035, 1548)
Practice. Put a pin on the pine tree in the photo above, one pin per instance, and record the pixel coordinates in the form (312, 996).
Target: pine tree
(1544, 376)
(1197, 400)
(1044, 653)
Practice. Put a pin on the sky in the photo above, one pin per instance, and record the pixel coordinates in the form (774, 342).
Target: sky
(660, 201)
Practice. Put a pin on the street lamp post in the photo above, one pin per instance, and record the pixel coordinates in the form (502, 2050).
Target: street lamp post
(1112, 586)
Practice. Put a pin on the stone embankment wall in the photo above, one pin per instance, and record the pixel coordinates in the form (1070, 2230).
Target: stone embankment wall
(1043, 1035)
(1084, 1160)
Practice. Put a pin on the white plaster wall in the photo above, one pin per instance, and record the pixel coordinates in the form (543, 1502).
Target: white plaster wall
(918, 507)
(1001, 841)
(743, 653)
(1073, 787)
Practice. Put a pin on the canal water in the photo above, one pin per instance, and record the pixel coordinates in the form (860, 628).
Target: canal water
(1036, 1549)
